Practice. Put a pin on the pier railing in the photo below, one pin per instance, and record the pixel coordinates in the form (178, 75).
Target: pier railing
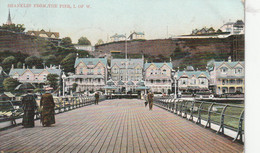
(226, 116)
(11, 112)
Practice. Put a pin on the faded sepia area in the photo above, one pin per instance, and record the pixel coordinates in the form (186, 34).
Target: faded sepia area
(122, 76)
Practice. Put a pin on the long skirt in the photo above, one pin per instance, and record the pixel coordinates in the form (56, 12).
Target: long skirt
(150, 105)
(28, 118)
(47, 116)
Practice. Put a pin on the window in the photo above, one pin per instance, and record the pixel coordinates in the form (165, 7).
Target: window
(223, 82)
(151, 81)
(202, 81)
(99, 71)
(184, 82)
(223, 69)
(28, 77)
(238, 70)
(164, 71)
(44, 77)
(81, 71)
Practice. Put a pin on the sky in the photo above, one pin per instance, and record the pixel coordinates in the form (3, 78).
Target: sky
(104, 18)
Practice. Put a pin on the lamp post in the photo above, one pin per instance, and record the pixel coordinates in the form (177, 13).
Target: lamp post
(63, 81)
(175, 86)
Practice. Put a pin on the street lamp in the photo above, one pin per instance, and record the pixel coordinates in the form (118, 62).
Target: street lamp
(175, 86)
(63, 80)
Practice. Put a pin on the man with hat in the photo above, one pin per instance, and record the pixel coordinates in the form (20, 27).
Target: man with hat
(150, 100)
(96, 98)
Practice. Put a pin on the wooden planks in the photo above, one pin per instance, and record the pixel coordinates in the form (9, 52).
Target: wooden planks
(121, 125)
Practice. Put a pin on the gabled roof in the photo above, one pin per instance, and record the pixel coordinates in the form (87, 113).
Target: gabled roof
(138, 33)
(120, 82)
(90, 61)
(117, 35)
(131, 83)
(158, 65)
(192, 73)
(132, 63)
(9, 94)
(230, 64)
(49, 34)
(35, 71)
(110, 83)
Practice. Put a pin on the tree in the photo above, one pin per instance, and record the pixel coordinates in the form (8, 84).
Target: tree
(84, 41)
(51, 59)
(19, 65)
(100, 42)
(178, 53)
(68, 62)
(7, 63)
(34, 61)
(66, 42)
(52, 80)
(13, 27)
(10, 84)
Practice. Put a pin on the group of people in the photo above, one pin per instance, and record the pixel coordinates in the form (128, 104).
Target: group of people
(46, 109)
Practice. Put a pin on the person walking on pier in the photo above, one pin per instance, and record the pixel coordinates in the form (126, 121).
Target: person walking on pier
(150, 100)
(96, 98)
(47, 109)
(29, 106)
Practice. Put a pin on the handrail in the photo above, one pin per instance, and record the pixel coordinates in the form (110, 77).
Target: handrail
(63, 104)
(211, 112)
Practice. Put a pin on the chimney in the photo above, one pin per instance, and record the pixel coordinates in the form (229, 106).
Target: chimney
(77, 56)
(12, 66)
(170, 59)
(34, 67)
(51, 66)
(59, 66)
(229, 59)
(146, 61)
(143, 57)
(178, 69)
(23, 66)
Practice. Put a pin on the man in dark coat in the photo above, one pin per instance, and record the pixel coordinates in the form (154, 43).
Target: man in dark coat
(47, 109)
(96, 98)
(29, 106)
(150, 100)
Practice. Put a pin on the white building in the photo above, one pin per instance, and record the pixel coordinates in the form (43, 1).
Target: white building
(35, 76)
(90, 74)
(136, 35)
(158, 76)
(233, 27)
(117, 37)
(227, 76)
(85, 47)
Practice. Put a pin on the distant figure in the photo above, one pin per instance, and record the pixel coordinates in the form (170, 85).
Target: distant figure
(150, 100)
(96, 98)
(29, 106)
(47, 112)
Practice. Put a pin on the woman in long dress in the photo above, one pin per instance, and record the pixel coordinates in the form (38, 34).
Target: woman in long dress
(47, 109)
(29, 106)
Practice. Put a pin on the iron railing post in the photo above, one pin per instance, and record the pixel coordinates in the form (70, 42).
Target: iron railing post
(208, 124)
(222, 124)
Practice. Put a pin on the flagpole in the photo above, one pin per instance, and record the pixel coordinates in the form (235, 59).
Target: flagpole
(126, 64)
